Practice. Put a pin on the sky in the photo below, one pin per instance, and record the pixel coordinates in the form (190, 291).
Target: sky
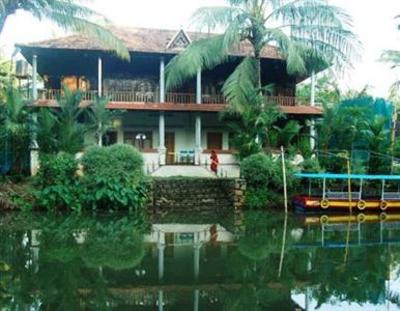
(373, 22)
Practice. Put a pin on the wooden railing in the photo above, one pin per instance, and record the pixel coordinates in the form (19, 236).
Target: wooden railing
(53, 94)
(281, 100)
(152, 97)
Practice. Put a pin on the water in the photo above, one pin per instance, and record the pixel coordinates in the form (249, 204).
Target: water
(254, 261)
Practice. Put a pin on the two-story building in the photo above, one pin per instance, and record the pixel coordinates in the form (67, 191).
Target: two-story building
(168, 126)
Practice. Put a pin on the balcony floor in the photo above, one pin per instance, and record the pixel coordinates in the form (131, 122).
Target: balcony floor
(291, 110)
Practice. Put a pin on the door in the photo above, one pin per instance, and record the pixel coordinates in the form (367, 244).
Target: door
(214, 141)
(170, 145)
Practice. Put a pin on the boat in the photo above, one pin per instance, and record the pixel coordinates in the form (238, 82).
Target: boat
(383, 193)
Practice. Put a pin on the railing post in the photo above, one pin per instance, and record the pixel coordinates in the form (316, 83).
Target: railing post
(162, 80)
(100, 76)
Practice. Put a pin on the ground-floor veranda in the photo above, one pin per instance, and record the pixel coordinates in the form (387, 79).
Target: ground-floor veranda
(171, 138)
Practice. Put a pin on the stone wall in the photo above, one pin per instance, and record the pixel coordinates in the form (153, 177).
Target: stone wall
(197, 194)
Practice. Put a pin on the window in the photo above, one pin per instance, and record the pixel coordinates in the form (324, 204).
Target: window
(142, 140)
(214, 141)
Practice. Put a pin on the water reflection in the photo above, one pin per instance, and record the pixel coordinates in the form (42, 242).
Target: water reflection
(255, 261)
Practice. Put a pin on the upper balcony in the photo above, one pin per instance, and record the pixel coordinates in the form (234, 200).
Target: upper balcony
(130, 99)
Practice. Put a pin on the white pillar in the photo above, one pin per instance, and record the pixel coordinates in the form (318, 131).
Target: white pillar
(161, 248)
(162, 80)
(312, 104)
(162, 151)
(198, 149)
(34, 78)
(198, 87)
(100, 76)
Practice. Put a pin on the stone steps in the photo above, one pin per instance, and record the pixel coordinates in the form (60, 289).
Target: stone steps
(195, 194)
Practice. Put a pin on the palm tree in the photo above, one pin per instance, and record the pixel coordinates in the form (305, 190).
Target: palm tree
(14, 129)
(70, 131)
(101, 118)
(305, 32)
(67, 14)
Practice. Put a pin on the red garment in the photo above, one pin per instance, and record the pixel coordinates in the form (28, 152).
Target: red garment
(214, 162)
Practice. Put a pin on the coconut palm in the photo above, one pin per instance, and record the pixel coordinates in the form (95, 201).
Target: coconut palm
(305, 32)
(67, 14)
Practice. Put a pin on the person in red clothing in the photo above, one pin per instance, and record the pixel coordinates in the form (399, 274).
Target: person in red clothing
(214, 162)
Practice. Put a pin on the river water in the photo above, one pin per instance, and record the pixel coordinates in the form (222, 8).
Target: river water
(249, 261)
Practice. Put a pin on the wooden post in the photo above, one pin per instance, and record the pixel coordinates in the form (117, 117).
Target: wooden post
(284, 180)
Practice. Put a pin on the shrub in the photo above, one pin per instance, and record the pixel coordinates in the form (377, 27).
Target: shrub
(264, 179)
(113, 177)
(311, 166)
(57, 182)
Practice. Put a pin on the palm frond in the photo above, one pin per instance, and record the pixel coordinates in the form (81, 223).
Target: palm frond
(212, 18)
(240, 86)
(202, 54)
(71, 15)
(391, 57)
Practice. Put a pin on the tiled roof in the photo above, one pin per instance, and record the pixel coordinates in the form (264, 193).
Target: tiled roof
(142, 40)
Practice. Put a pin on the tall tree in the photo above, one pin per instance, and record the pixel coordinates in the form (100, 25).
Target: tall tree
(303, 31)
(67, 14)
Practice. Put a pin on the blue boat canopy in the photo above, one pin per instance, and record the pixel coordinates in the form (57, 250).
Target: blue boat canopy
(347, 176)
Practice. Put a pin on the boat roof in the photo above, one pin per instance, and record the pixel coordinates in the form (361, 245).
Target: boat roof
(347, 176)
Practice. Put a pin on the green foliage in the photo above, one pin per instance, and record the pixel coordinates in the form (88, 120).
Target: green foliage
(311, 165)
(57, 183)
(116, 245)
(113, 177)
(257, 198)
(264, 179)
(60, 130)
(15, 127)
(100, 118)
(251, 128)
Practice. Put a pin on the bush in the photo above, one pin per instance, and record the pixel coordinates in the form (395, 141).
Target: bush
(113, 177)
(311, 166)
(57, 182)
(264, 179)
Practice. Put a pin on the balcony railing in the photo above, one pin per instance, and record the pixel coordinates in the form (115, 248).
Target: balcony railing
(152, 97)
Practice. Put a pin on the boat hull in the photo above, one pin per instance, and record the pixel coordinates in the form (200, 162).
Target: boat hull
(307, 203)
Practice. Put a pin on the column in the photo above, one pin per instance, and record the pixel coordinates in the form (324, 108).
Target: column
(162, 80)
(198, 87)
(162, 151)
(100, 76)
(198, 149)
(34, 78)
(312, 104)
